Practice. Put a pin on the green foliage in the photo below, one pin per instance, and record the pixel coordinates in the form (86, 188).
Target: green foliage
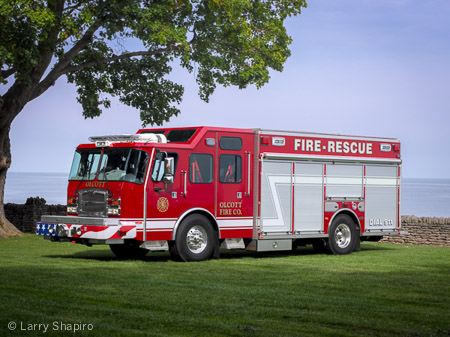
(383, 290)
(23, 27)
(125, 48)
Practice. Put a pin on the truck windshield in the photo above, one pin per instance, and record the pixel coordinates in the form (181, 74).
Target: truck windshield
(85, 164)
(111, 165)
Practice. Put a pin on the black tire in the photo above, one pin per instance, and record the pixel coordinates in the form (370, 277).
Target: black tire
(128, 251)
(342, 235)
(195, 239)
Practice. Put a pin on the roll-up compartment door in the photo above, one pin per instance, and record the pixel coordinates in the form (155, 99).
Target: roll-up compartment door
(308, 197)
(381, 197)
(344, 181)
(276, 197)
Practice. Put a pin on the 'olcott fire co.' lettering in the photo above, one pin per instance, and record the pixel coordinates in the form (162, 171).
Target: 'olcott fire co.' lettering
(230, 208)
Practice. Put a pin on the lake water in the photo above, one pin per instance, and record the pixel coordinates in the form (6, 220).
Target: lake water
(420, 197)
(50, 186)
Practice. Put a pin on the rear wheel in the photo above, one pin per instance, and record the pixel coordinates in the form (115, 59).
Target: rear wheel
(342, 235)
(195, 239)
(128, 251)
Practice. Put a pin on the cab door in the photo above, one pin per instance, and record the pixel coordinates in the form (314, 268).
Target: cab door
(234, 202)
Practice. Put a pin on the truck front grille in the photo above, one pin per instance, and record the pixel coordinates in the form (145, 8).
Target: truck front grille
(92, 203)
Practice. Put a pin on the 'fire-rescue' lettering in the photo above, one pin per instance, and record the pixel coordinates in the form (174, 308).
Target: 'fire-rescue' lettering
(332, 146)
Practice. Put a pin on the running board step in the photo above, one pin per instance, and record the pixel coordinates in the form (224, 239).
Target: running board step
(233, 244)
(155, 245)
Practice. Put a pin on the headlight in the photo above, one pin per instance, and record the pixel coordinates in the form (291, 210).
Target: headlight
(113, 211)
(62, 230)
(72, 209)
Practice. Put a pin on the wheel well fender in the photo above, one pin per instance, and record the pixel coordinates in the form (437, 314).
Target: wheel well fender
(201, 211)
(351, 214)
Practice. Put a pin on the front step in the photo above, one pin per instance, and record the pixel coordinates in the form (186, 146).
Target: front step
(233, 244)
(155, 245)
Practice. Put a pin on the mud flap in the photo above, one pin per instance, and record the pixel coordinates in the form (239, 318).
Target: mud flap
(357, 244)
(216, 252)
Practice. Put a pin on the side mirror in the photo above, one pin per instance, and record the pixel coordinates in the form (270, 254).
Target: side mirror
(169, 170)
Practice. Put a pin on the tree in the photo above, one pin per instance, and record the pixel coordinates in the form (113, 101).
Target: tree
(125, 49)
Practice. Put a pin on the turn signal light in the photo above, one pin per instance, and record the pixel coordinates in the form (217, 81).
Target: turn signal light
(114, 202)
(71, 201)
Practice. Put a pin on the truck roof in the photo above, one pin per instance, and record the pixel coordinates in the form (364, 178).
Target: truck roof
(190, 136)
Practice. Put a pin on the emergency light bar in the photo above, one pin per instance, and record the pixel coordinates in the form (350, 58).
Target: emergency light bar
(105, 141)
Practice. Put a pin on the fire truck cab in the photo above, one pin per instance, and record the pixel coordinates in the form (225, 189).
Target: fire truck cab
(194, 190)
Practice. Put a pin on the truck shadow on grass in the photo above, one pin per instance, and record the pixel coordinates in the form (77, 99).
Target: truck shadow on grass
(107, 256)
(301, 251)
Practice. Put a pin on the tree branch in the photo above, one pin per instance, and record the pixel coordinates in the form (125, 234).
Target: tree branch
(113, 58)
(71, 9)
(6, 73)
(57, 70)
(45, 47)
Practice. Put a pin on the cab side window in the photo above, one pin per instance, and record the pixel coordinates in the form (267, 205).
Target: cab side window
(230, 169)
(201, 168)
(231, 143)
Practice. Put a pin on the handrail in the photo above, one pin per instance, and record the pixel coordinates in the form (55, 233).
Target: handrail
(184, 193)
(145, 194)
(248, 172)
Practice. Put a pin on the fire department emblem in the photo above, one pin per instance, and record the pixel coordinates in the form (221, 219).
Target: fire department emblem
(162, 204)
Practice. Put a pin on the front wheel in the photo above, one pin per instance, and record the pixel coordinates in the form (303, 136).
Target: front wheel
(342, 235)
(195, 239)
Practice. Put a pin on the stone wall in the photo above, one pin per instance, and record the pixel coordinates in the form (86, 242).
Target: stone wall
(24, 217)
(423, 231)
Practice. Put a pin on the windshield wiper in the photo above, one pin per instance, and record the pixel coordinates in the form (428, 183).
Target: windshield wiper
(106, 180)
(86, 175)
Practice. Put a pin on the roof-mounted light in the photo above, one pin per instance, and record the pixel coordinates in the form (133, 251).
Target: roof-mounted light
(105, 141)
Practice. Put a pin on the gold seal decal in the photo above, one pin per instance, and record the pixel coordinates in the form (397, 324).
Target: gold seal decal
(162, 204)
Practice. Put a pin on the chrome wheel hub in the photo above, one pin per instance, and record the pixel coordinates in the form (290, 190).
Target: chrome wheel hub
(342, 235)
(196, 239)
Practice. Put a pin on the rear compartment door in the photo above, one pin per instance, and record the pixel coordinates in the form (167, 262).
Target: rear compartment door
(382, 197)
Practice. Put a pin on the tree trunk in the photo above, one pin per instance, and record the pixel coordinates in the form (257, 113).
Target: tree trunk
(11, 104)
(6, 227)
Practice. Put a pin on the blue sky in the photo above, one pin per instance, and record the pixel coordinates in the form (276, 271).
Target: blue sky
(375, 68)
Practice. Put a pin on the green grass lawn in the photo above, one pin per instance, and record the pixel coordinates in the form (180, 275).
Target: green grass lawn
(383, 290)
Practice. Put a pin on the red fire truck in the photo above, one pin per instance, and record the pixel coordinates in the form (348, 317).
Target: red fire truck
(194, 190)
